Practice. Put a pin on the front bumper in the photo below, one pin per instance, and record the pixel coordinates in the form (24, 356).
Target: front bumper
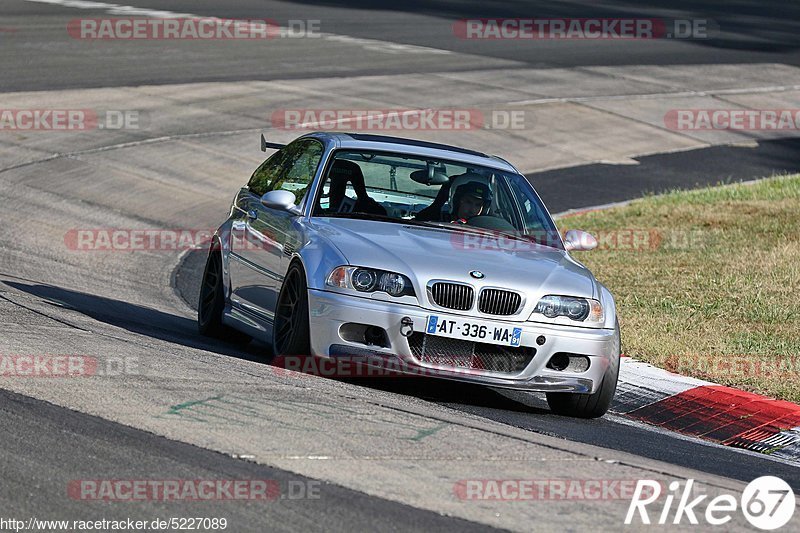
(330, 310)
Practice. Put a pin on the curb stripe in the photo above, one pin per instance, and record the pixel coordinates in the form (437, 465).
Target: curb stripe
(642, 384)
(725, 415)
(716, 413)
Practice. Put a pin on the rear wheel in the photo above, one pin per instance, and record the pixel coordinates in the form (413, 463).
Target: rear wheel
(212, 302)
(589, 405)
(290, 335)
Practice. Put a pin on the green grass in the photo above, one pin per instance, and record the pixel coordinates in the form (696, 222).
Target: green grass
(711, 288)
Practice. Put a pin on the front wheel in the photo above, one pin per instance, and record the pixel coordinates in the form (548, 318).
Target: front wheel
(290, 334)
(589, 405)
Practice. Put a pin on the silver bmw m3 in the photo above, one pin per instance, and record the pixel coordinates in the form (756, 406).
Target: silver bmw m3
(441, 259)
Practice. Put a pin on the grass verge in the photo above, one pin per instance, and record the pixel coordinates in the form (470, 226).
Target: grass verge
(707, 282)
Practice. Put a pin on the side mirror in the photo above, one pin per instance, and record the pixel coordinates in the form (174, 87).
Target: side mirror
(282, 200)
(576, 240)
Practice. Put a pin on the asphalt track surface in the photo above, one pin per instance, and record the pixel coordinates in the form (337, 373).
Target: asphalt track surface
(46, 445)
(753, 32)
(29, 472)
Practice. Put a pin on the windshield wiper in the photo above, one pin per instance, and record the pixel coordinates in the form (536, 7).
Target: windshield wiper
(450, 226)
(472, 229)
(410, 222)
(364, 216)
(476, 230)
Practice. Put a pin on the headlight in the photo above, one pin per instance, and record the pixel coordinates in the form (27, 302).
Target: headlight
(364, 280)
(578, 309)
(370, 280)
(394, 284)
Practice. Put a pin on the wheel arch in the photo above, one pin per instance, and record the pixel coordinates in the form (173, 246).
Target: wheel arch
(318, 258)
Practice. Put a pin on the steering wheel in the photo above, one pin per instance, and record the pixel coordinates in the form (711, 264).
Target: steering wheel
(490, 222)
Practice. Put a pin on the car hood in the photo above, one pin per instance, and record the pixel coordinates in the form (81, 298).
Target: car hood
(426, 253)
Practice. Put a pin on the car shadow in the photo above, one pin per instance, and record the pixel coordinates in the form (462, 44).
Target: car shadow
(140, 319)
(180, 330)
(444, 391)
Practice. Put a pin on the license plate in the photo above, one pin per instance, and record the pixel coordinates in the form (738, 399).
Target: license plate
(473, 330)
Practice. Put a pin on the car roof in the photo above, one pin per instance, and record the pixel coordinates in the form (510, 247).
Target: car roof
(414, 147)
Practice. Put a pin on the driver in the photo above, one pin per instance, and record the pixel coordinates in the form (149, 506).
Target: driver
(470, 200)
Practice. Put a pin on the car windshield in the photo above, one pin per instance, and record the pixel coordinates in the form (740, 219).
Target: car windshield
(411, 190)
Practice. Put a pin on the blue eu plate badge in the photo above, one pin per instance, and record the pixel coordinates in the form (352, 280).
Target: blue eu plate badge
(515, 336)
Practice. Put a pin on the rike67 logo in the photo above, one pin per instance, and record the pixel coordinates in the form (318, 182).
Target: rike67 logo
(767, 503)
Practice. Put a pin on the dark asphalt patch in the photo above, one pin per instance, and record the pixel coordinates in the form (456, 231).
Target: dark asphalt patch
(46, 446)
(589, 185)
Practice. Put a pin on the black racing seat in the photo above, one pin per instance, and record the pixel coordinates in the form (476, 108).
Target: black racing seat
(343, 172)
(433, 213)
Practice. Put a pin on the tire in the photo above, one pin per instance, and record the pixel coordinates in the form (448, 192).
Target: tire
(290, 334)
(211, 302)
(589, 405)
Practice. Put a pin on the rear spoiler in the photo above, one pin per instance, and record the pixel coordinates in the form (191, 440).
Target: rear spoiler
(265, 144)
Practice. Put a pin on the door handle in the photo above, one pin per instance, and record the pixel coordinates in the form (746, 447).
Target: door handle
(252, 214)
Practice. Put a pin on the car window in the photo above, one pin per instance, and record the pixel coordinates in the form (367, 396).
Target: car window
(403, 188)
(533, 211)
(266, 174)
(504, 206)
(291, 169)
(388, 186)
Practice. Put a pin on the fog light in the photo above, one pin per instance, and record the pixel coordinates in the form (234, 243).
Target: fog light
(559, 362)
(570, 362)
(375, 336)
